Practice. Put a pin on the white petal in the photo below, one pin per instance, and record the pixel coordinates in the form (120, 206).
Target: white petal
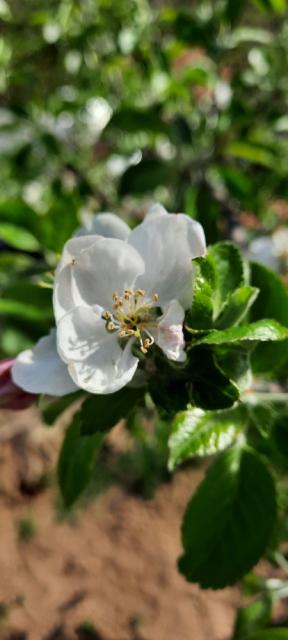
(96, 361)
(168, 243)
(79, 334)
(41, 370)
(157, 210)
(169, 335)
(107, 225)
(91, 269)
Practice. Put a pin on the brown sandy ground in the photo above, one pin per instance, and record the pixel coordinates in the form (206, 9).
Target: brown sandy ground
(109, 573)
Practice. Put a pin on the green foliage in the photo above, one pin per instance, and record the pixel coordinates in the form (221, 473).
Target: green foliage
(229, 521)
(101, 413)
(262, 331)
(255, 616)
(269, 634)
(76, 461)
(199, 433)
(270, 360)
(52, 409)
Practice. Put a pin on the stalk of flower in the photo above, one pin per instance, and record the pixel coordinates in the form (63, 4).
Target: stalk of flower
(112, 293)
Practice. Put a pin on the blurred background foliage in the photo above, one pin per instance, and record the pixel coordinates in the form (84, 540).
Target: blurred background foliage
(110, 105)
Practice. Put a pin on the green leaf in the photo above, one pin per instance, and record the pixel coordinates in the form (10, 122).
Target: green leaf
(58, 224)
(269, 634)
(234, 361)
(263, 331)
(101, 413)
(229, 520)
(18, 237)
(133, 120)
(254, 616)
(196, 433)
(201, 314)
(146, 176)
(211, 388)
(52, 409)
(280, 431)
(28, 301)
(230, 272)
(237, 307)
(272, 302)
(279, 6)
(76, 461)
(234, 10)
(22, 310)
(252, 153)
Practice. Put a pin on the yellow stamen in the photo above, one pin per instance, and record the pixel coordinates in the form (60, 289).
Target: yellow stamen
(106, 315)
(148, 343)
(111, 326)
(155, 297)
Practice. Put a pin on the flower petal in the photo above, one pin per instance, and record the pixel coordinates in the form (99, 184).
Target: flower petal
(95, 360)
(157, 210)
(91, 269)
(168, 243)
(40, 370)
(107, 225)
(169, 335)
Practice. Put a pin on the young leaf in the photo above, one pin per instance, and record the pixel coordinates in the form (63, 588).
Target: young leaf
(237, 307)
(76, 461)
(230, 271)
(262, 331)
(196, 433)
(201, 314)
(229, 520)
(101, 413)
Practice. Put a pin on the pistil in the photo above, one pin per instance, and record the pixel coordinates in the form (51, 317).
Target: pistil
(131, 316)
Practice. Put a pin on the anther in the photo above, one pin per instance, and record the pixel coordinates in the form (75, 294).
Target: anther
(155, 297)
(143, 349)
(111, 326)
(140, 292)
(106, 315)
(123, 334)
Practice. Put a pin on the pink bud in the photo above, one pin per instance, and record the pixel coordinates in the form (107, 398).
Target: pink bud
(11, 396)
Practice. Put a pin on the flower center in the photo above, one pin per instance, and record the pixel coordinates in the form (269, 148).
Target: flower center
(132, 315)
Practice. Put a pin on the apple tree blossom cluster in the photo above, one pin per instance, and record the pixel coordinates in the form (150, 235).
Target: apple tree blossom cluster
(118, 294)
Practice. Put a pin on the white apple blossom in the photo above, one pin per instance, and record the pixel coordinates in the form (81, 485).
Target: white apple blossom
(115, 290)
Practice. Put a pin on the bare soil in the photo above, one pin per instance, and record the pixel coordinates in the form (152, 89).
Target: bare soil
(109, 573)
